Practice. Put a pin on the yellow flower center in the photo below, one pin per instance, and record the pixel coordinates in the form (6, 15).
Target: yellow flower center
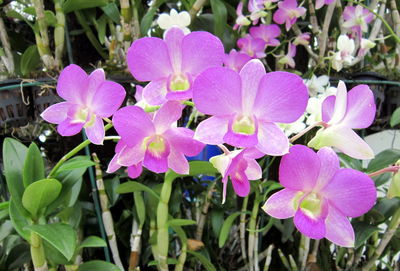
(244, 125)
(179, 82)
(156, 146)
(311, 205)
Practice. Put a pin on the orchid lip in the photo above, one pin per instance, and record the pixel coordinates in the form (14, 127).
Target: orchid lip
(311, 205)
(179, 82)
(244, 125)
(155, 144)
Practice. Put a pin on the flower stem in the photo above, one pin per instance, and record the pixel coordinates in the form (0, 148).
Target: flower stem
(72, 153)
(384, 170)
(242, 228)
(162, 222)
(224, 149)
(301, 133)
(252, 228)
(37, 253)
(204, 211)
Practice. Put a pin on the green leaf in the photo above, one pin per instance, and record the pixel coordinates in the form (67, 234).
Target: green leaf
(181, 222)
(204, 261)
(14, 154)
(33, 166)
(220, 15)
(140, 207)
(29, 60)
(14, 14)
(148, 18)
(383, 159)
(363, 232)
(40, 194)
(170, 261)
(111, 186)
(395, 118)
(98, 266)
(6, 229)
(101, 28)
(72, 5)
(76, 164)
(226, 228)
(93, 241)
(111, 10)
(60, 236)
(18, 256)
(50, 18)
(19, 221)
(132, 186)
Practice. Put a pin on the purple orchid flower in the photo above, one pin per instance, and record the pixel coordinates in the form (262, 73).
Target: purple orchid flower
(342, 113)
(268, 33)
(88, 99)
(320, 3)
(156, 143)
(288, 13)
(288, 59)
(246, 105)
(254, 47)
(240, 166)
(173, 63)
(302, 39)
(236, 60)
(241, 20)
(357, 19)
(320, 195)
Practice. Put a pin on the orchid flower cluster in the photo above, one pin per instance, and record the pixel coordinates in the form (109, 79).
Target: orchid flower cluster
(246, 106)
(264, 18)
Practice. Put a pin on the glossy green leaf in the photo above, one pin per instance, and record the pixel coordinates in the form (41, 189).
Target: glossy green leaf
(140, 207)
(204, 261)
(170, 261)
(111, 186)
(132, 186)
(76, 164)
(226, 228)
(40, 194)
(72, 5)
(111, 10)
(14, 154)
(98, 266)
(33, 166)
(6, 229)
(181, 222)
(101, 28)
(29, 60)
(20, 222)
(53, 255)
(93, 241)
(18, 256)
(60, 236)
(395, 118)
(148, 18)
(220, 15)
(363, 232)
(50, 18)
(383, 159)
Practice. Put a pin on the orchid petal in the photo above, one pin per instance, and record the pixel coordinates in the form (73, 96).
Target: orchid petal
(173, 38)
(340, 104)
(134, 171)
(154, 92)
(217, 91)
(338, 228)
(107, 99)
(95, 132)
(72, 84)
(182, 140)
(212, 130)
(282, 204)
(56, 113)
(129, 156)
(329, 166)
(69, 128)
(271, 139)
(251, 75)
(113, 164)
(299, 169)
(253, 170)
(353, 188)
(177, 162)
(282, 97)
(328, 106)
(166, 116)
(310, 227)
(157, 163)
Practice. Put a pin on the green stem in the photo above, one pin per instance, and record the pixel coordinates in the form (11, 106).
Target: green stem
(37, 253)
(162, 223)
(72, 153)
(189, 103)
(252, 229)
(59, 33)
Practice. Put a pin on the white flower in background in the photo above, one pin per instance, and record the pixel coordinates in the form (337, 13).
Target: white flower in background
(344, 56)
(294, 127)
(181, 20)
(317, 84)
(365, 45)
(314, 106)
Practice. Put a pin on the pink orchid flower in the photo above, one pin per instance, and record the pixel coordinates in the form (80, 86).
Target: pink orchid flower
(342, 113)
(268, 33)
(320, 3)
(241, 20)
(245, 106)
(156, 143)
(236, 60)
(88, 99)
(320, 195)
(357, 19)
(302, 39)
(288, 13)
(173, 63)
(240, 166)
(253, 47)
(288, 59)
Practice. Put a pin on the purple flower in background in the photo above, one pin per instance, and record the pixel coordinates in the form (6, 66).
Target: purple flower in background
(253, 47)
(241, 20)
(236, 60)
(268, 33)
(302, 39)
(320, 195)
(320, 3)
(245, 106)
(342, 113)
(173, 63)
(288, 59)
(156, 143)
(88, 99)
(288, 13)
(240, 166)
(357, 19)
